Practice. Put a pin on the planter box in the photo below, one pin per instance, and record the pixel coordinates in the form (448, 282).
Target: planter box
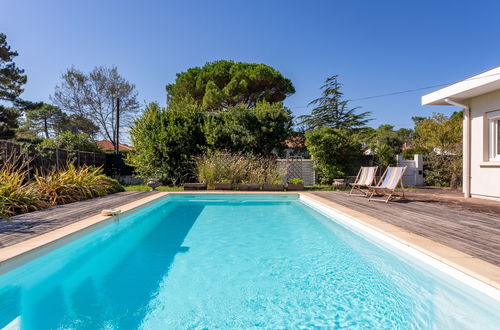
(295, 186)
(195, 186)
(273, 187)
(222, 185)
(249, 186)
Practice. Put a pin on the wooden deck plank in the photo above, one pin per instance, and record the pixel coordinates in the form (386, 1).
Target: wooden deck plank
(472, 233)
(29, 225)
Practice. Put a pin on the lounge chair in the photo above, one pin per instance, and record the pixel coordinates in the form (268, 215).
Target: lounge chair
(388, 183)
(364, 179)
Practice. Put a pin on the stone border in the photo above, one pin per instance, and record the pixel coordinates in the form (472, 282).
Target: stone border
(472, 266)
(20, 253)
(15, 255)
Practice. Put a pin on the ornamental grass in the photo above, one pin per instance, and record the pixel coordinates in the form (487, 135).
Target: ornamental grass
(237, 168)
(20, 195)
(15, 195)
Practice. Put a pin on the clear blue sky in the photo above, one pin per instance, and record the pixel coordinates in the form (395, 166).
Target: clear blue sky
(376, 47)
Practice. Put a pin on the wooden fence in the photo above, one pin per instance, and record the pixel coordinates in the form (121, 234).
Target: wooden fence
(33, 159)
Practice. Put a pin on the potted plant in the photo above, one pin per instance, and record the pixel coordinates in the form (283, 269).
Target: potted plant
(153, 184)
(295, 184)
(276, 185)
(223, 184)
(246, 185)
(338, 183)
(195, 186)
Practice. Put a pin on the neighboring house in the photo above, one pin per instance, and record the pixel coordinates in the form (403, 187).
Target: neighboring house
(479, 96)
(296, 147)
(107, 145)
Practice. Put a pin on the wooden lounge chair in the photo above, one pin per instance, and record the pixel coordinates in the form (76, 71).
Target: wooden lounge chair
(388, 184)
(364, 179)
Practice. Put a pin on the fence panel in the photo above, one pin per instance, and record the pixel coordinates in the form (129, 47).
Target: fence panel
(298, 168)
(47, 159)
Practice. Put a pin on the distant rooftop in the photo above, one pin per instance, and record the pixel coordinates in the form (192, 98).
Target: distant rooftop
(295, 142)
(107, 145)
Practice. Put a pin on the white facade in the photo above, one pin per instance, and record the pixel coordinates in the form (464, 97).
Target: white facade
(479, 96)
(484, 163)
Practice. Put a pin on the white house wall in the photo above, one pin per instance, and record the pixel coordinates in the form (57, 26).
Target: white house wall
(485, 176)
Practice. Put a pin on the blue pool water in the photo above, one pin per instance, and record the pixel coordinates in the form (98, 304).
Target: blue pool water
(233, 261)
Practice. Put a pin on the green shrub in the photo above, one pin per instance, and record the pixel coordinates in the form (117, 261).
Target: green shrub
(443, 170)
(336, 153)
(70, 141)
(165, 140)
(113, 185)
(261, 130)
(410, 153)
(296, 181)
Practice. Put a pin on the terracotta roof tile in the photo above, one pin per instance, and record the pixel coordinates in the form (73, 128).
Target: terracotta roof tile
(107, 145)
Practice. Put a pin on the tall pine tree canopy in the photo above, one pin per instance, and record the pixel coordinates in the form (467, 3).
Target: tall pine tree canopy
(12, 78)
(222, 84)
(332, 110)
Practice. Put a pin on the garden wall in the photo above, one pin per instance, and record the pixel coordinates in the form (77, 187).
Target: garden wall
(414, 174)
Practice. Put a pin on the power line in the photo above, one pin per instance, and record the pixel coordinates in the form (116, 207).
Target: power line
(400, 92)
(405, 91)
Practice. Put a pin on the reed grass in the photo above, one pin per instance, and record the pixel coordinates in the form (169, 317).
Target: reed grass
(237, 168)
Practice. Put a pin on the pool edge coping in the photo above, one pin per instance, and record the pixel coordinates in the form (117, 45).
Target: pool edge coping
(22, 250)
(476, 268)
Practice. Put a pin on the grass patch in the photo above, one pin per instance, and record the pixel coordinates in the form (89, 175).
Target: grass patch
(142, 187)
(319, 187)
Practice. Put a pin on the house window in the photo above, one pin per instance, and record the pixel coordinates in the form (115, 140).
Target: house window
(494, 128)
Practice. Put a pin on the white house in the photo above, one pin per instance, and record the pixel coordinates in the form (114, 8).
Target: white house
(479, 96)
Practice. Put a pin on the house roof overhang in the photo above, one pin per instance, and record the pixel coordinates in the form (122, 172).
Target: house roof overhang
(480, 84)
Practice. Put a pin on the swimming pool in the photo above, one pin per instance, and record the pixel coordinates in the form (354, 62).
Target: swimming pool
(234, 261)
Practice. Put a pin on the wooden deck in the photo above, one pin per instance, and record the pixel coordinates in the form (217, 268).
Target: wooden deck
(473, 233)
(25, 226)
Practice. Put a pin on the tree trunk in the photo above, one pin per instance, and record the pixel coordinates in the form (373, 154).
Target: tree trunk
(454, 181)
(46, 128)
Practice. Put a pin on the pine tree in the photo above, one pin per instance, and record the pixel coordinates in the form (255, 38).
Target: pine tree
(332, 110)
(12, 80)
